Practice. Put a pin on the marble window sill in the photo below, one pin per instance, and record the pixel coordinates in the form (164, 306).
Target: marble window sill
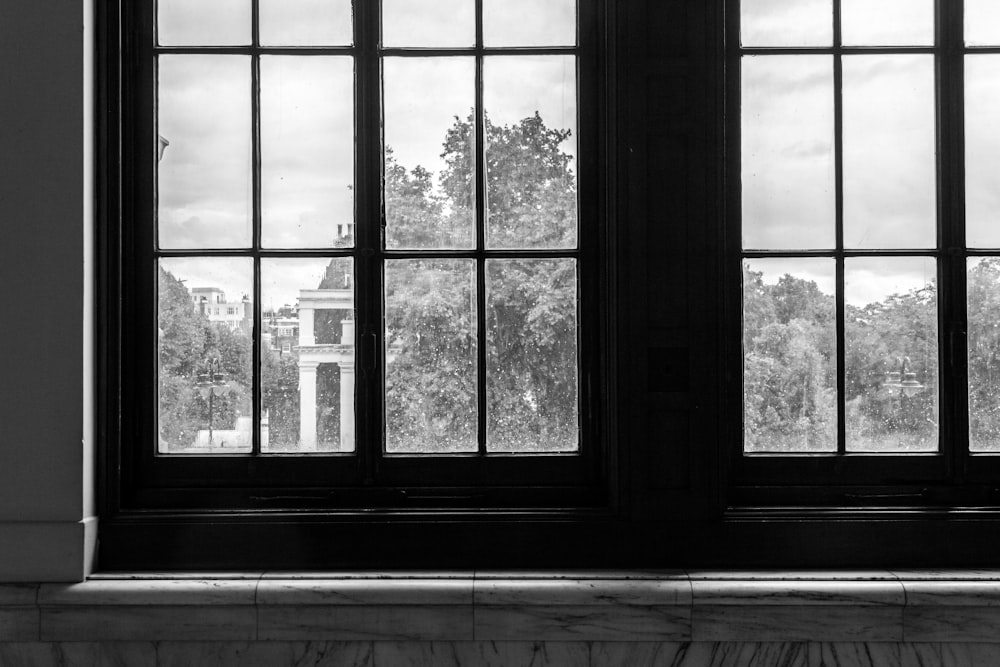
(637, 606)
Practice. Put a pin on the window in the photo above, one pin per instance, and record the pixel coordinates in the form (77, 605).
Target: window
(864, 202)
(417, 183)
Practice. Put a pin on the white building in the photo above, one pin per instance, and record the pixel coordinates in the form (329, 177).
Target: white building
(211, 302)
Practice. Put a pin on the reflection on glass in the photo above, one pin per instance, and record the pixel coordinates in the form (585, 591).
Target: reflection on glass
(889, 137)
(430, 357)
(789, 356)
(429, 153)
(428, 23)
(891, 345)
(201, 23)
(783, 23)
(984, 354)
(205, 328)
(307, 152)
(531, 355)
(982, 151)
(530, 107)
(982, 23)
(306, 23)
(787, 152)
(307, 355)
(887, 22)
(204, 178)
(529, 23)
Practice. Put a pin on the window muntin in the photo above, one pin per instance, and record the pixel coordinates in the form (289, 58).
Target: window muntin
(839, 228)
(911, 269)
(290, 212)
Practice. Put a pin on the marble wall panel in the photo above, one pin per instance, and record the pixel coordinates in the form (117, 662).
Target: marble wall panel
(19, 624)
(392, 623)
(411, 591)
(580, 592)
(78, 654)
(264, 654)
(482, 654)
(796, 623)
(80, 623)
(951, 624)
(583, 623)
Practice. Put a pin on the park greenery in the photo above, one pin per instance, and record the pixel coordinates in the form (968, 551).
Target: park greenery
(431, 390)
(791, 374)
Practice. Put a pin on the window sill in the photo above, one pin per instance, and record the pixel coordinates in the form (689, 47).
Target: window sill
(635, 606)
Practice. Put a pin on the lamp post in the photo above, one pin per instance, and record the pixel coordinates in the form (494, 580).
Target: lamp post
(208, 380)
(906, 381)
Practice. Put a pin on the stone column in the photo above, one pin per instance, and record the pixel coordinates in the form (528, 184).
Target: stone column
(347, 406)
(306, 334)
(307, 405)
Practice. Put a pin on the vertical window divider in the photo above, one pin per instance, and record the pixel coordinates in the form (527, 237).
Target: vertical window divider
(950, 107)
(369, 225)
(256, 334)
(838, 157)
(481, 194)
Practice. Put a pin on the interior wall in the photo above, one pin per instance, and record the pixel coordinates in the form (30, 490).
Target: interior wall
(46, 416)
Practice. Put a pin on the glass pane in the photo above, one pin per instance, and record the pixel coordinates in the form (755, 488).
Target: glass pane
(307, 151)
(529, 23)
(307, 355)
(429, 153)
(789, 355)
(204, 179)
(431, 370)
(984, 354)
(205, 327)
(530, 106)
(891, 345)
(887, 22)
(531, 356)
(982, 22)
(202, 23)
(889, 136)
(784, 23)
(982, 151)
(788, 152)
(428, 23)
(306, 23)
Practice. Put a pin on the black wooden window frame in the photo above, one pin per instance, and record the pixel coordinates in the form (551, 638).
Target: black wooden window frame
(141, 488)
(952, 476)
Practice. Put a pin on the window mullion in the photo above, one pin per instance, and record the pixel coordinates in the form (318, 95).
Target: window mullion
(255, 335)
(951, 233)
(838, 170)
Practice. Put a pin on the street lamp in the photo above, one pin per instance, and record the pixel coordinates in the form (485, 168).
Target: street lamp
(208, 380)
(906, 381)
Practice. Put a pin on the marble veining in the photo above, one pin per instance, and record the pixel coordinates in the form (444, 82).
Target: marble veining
(791, 575)
(482, 654)
(264, 654)
(796, 623)
(975, 593)
(366, 623)
(78, 654)
(158, 592)
(941, 624)
(788, 592)
(568, 623)
(365, 592)
(148, 623)
(582, 592)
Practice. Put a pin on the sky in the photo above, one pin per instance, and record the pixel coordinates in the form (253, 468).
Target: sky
(307, 115)
(888, 139)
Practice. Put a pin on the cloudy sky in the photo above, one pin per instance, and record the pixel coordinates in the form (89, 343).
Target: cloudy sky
(888, 134)
(307, 116)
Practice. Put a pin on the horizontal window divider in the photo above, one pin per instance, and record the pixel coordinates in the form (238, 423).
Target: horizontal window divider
(420, 52)
(834, 50)
(322, 253)
(258, 50)
(473, 254)
(894, 252)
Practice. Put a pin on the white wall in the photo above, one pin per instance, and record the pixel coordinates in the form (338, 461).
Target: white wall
(46, 420)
